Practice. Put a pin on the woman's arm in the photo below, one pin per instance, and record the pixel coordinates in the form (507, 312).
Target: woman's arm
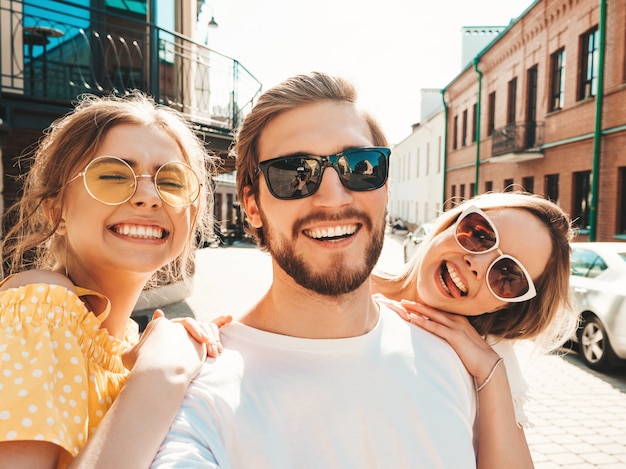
(501, 442)
(163, 364)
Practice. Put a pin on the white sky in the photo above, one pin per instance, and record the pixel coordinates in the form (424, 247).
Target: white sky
(389, 48)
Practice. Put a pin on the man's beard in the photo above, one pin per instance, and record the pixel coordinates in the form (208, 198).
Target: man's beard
(343, 277)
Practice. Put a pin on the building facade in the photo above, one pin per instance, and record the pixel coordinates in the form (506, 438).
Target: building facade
(543, 109)
(416, 171)
(52, 51)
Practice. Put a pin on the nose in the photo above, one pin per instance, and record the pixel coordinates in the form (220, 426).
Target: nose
(479, 263)
(146, 194)
(331, 193)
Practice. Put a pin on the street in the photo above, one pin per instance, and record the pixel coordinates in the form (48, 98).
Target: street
(578, 416)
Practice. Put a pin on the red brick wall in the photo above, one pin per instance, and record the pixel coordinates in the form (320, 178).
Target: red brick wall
(568, 142)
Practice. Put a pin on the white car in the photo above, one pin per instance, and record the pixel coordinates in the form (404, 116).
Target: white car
(414, 238)
(598, 284)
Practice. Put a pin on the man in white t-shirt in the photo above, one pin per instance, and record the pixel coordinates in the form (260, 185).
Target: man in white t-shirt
(318, 374)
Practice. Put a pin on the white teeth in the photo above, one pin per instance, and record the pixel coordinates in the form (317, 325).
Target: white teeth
(455, 278)
(331, 232)
(139, 231)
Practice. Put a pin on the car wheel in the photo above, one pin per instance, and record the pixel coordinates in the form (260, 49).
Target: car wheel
(595, 348)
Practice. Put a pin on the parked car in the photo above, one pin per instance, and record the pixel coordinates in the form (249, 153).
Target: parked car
(598, 284)
(414, 238)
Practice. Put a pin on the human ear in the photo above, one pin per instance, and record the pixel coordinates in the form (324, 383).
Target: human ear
(52, 211)
(252, 207)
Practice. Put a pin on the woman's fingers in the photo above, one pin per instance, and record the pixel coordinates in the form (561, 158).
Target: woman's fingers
(393, 305)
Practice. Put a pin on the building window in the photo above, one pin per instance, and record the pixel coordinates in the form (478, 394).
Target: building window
(417, 165)
(582, 199)
(488, 186)
(588, 86)
(528, 184)
(439, 140)
(557, 79)
(453, 196)
(551, 187)
(472, 189)
(508, 185)
(427, 158)
(462, 192)
(621, 202)
(512, 99)
(455, 132)
(217, 207)
(464, 129)
(474, 121)
(491, 116)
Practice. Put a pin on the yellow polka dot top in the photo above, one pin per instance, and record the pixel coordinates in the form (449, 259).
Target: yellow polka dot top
(59, 371)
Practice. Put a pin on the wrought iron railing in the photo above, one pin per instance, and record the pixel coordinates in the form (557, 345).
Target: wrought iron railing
(52, 55)
(517, 138)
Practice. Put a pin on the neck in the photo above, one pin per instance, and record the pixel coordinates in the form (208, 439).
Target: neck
(290, 309)
(122, 291)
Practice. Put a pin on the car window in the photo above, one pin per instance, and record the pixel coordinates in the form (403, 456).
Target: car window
(585, 263)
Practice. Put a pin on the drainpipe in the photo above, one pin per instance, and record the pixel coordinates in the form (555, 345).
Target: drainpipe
(597, 138)
(445, 147)
(477, 136)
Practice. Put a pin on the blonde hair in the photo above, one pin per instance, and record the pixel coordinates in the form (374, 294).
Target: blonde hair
(548, 317)
(66, 148)
(297, 91)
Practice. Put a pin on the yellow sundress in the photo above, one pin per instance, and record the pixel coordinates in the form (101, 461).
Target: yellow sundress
(59, 371)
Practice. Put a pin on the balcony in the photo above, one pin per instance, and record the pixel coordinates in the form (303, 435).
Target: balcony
(521, 141)
(53, 51)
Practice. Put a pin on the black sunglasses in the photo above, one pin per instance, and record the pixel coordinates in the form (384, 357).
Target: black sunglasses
(298, 176)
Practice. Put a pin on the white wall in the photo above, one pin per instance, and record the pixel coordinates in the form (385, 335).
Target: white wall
(416, 173)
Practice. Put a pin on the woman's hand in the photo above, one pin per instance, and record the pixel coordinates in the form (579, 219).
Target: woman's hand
(204, 333)
(166, 345)
(475, 353)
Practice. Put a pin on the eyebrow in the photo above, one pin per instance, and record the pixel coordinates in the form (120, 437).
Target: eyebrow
(303, 153)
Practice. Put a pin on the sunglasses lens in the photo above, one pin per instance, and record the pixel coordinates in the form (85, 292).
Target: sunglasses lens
(475, 233)
(177, 184)
(110, 180)
(363, 169)
(293, 177)
(507, 279)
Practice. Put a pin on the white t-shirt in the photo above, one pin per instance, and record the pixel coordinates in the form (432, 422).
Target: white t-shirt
(396, 397)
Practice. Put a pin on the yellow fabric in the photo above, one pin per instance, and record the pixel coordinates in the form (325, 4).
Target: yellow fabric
(59, 371)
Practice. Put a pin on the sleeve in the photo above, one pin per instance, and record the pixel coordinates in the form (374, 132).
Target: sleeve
(519, 386)
(191, 437)
(43, 382)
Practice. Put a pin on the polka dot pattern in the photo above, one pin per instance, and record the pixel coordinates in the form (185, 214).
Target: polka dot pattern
(60, 370)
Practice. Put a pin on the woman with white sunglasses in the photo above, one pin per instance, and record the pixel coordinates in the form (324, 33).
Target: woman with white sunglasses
(498, 265)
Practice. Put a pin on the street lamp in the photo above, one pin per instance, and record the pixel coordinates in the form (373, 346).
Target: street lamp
(212, 23)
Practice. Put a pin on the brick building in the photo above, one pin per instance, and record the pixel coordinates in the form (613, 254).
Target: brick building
(543, 108)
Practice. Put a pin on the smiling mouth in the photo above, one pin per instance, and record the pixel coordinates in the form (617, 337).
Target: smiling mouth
(450, 280)
(140, 231)
(332, 233)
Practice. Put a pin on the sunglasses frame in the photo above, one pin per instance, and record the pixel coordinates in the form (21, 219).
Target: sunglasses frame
(137, 176)
(531, 293)
(325, 161)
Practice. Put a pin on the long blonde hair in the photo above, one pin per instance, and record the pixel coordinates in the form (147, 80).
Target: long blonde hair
(66, 148)
(547, 317)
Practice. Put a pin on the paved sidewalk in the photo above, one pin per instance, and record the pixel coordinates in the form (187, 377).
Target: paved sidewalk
(579, 415)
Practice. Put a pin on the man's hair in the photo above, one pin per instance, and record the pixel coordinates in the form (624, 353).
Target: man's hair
(297, 91)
